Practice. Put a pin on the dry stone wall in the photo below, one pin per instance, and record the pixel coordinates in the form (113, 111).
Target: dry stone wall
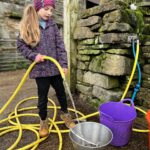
(144, 95)
(104, 53)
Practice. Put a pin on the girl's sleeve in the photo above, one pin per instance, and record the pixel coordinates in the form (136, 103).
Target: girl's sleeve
(62, 54)
(25, 50)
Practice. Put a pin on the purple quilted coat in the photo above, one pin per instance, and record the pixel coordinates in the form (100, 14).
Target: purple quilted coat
(51, 44)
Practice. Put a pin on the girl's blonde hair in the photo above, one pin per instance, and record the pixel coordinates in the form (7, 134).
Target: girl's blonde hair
(29, 26)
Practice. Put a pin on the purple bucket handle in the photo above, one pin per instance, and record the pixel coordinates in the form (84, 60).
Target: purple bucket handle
(129, 100)
(108, 116)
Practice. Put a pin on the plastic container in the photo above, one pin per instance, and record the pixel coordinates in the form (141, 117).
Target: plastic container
(148, 120)
(118, 117)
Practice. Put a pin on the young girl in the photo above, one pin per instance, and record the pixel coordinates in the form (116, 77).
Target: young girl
(39, 36)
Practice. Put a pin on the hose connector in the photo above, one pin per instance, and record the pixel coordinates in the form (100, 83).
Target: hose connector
(137, 87)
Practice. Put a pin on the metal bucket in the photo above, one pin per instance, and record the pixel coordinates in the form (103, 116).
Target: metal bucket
(90, 131)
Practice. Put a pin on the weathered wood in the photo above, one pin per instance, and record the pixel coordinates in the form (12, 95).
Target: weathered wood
(70, 19)
(66, 14)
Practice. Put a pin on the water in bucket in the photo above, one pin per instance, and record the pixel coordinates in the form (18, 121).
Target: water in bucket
(118, 117)
(78, 132)
(90, 132)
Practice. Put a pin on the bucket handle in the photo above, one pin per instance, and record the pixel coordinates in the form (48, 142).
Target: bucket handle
(129, 100)
(108, 116)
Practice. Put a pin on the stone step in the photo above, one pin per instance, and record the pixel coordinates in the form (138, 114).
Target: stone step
(10, 55)
(10, 58)
(6, 69)
(11, 48)
(16, 60)
(13, 65)
(7, 42)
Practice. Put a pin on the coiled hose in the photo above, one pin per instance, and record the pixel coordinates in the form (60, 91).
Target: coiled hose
(53, 123)
(17, 126)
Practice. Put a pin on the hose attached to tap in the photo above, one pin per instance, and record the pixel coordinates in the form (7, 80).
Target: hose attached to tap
(138, 85)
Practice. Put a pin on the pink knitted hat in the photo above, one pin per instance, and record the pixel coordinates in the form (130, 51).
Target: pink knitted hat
(38, 4)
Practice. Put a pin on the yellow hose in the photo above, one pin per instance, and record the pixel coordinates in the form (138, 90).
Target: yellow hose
(53, 123)
(133, 71)
(25, 77)
(33, 127)
(129, 83)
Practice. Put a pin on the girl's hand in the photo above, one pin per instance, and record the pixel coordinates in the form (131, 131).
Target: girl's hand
(65, 70)
(39, 58)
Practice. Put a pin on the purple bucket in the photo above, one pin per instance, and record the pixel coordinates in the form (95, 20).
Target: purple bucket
(118, 117)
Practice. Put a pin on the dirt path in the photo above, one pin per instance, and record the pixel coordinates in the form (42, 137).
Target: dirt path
(9, 82)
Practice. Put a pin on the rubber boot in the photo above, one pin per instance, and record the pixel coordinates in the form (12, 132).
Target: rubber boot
(43, 131)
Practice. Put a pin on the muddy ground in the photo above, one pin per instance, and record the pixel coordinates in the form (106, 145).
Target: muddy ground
(9, 82)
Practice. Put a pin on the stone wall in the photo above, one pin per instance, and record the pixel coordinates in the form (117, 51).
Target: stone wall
(10, 14)
(104, 51)
(144, 94)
